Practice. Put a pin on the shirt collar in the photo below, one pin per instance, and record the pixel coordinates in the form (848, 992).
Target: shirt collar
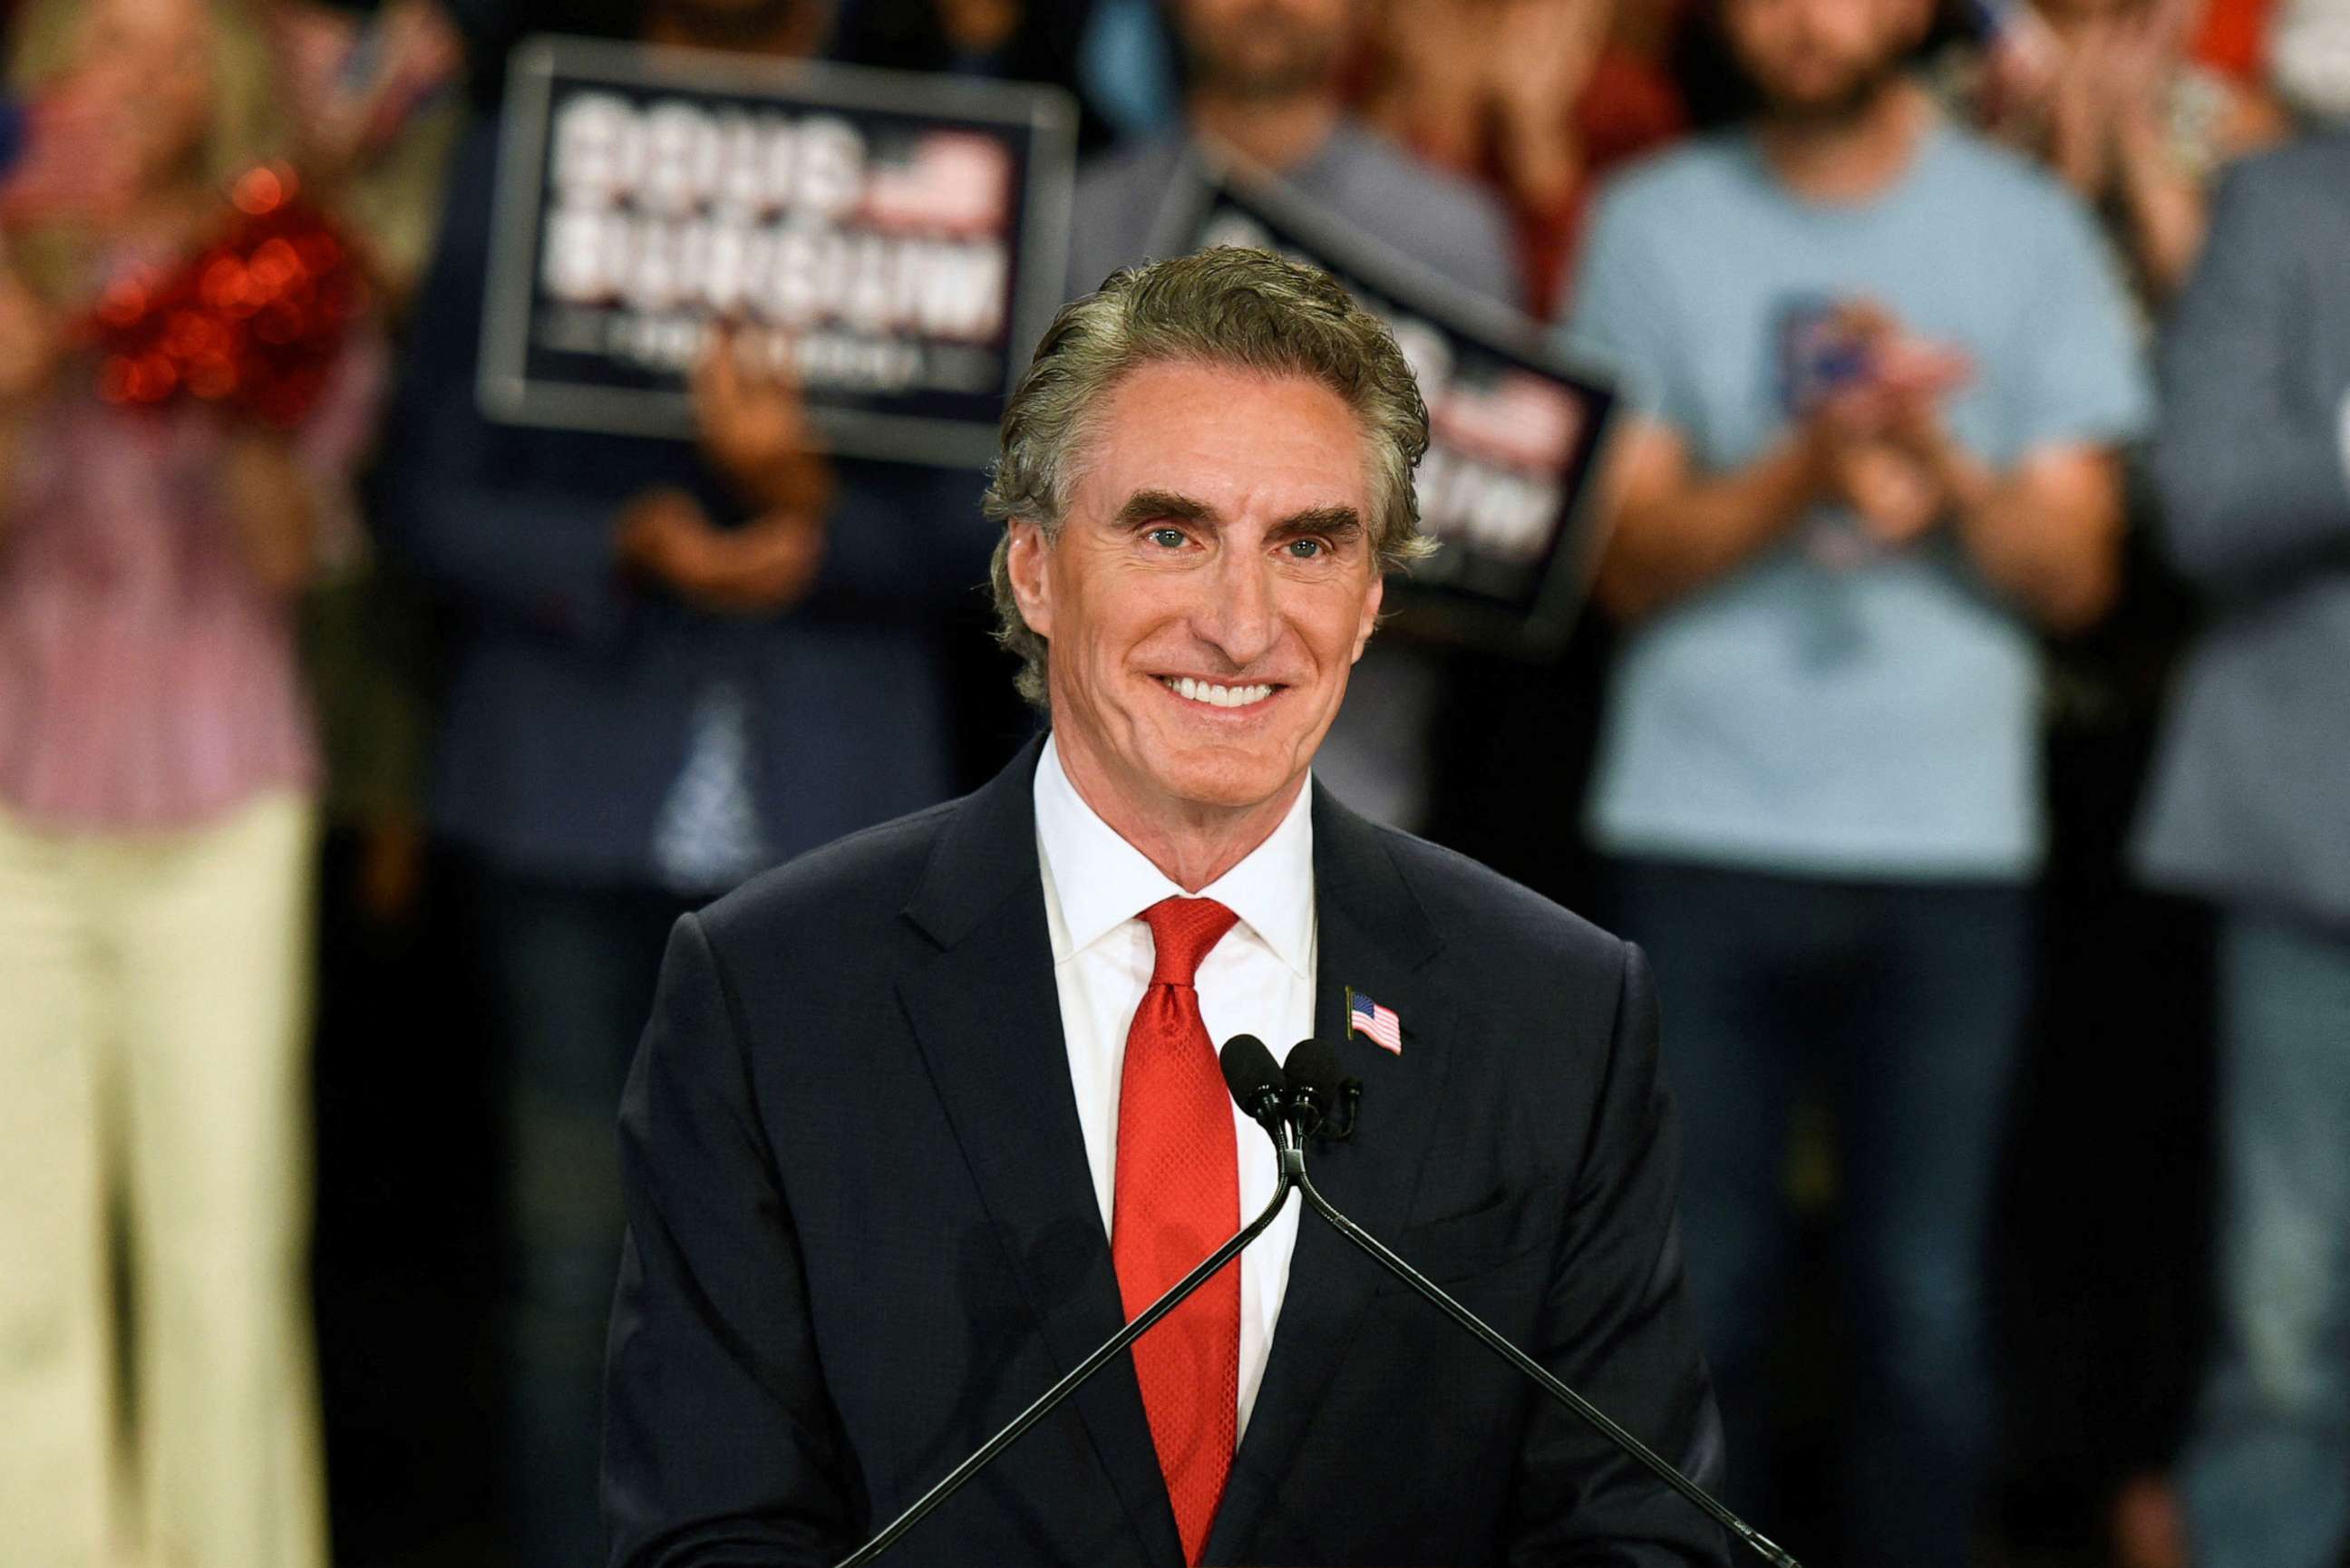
(1101, 881)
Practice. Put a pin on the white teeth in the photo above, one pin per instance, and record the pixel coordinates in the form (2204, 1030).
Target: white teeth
(1218, 696)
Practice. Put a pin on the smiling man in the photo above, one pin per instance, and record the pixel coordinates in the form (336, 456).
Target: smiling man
(920, 1118)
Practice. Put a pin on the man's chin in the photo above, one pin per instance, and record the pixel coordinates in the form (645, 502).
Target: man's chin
(1222, 778)
(1838, 104)
(1269, 69)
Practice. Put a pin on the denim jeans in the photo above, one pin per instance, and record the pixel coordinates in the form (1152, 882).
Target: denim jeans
(573, 972)
(1900, 1006)
(2268, 1469)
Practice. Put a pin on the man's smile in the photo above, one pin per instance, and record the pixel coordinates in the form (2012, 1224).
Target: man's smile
(1210, 694)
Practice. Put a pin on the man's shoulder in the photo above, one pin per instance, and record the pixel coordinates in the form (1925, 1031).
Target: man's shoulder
(1140, 166)
(2307, 166)
(1476, 910)
(1376, 165)
(1670, 207)
(1120, 196)
(842, 889)
(1986, 184)
(1661, 185)
(1429, 213)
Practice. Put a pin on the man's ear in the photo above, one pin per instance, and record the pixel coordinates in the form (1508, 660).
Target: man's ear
(1370, 621)
(1028, 561)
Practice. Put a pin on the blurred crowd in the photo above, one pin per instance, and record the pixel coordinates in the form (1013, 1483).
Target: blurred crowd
(1961, 721)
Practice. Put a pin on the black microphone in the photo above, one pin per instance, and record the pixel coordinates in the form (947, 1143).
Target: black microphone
(1312, 1079)
(1258, 1086)
(1313, 1076)
(1255, 1078)
(1321, 1087)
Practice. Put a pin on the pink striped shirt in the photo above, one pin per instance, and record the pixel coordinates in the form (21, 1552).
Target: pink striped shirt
(147, 680)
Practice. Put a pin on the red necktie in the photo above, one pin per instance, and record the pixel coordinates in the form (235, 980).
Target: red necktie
(1179, 1198)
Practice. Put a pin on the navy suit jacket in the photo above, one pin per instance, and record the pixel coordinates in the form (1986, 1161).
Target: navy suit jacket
(862, 1236)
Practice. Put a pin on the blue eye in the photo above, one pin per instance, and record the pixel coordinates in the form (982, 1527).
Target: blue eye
(1168, 538)
(1307, 549)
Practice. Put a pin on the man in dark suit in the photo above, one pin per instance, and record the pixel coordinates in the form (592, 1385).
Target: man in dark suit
(923, 1117)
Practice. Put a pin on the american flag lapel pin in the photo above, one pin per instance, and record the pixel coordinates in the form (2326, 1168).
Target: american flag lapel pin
(1378, 1024)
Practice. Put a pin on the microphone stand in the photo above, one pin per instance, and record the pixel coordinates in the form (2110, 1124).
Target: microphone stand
(1591, 1414)
(1288, 1139)
(1291, 1175)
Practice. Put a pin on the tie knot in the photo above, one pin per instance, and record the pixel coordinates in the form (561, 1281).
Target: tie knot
(1183, 930)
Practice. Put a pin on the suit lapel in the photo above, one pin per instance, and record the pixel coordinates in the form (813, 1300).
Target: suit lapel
(987, 1015)
(1372, 936)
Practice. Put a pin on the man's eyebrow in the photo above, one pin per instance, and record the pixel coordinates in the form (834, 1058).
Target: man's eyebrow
(1148, 505)
(1339, 522)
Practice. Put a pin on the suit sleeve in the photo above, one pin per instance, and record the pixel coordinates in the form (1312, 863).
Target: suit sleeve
(2251, 476)
(721, 1447)
(1617, 1330)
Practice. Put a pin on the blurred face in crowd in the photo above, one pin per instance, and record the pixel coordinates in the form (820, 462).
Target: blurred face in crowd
(1821, 60)
(1263, 48)
(147, 64)
(1209, 589)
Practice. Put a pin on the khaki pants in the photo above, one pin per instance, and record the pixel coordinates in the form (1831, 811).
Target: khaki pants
(154, 1011)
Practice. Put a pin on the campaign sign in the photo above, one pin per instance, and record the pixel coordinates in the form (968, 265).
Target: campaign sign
(1515, 424)
(893, 241)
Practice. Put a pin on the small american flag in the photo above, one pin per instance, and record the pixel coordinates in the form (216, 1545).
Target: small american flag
(1376, 1023)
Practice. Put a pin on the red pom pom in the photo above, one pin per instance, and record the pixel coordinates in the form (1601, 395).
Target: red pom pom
(252, 322)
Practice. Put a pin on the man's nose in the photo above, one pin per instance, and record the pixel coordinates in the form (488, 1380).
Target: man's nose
(1242, 615)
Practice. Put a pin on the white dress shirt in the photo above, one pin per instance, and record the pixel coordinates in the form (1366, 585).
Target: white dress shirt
(1258, 980)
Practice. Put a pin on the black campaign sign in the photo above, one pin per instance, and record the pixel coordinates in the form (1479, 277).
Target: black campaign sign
(892, 239)
(1515, 424)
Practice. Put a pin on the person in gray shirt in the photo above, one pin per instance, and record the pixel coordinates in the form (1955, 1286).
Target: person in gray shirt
(2250, 807)
(1265, 92)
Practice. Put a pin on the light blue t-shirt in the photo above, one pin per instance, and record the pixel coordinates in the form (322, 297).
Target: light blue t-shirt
(1835, 709)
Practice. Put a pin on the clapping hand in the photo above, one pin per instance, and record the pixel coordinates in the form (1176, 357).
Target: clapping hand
(349, 85)
(1881, 439)
(1461, 72)
(753, 427)
(764, 567)
(1543, 53)
(2102, 99)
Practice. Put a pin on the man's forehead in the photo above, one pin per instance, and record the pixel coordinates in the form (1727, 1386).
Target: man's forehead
(1235, 442)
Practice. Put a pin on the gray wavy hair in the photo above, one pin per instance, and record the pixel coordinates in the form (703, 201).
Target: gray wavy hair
(1246, 309)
